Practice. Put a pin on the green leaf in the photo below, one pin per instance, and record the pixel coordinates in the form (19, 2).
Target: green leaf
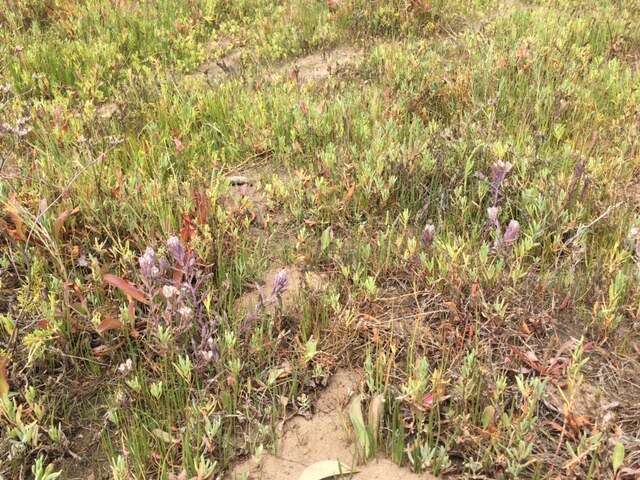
(357, 420)
(617, 458)
(487, 416)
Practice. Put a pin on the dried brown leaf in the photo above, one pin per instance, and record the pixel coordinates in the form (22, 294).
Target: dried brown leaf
(109, 323)
(4, 377)
(59, 223)
(127, 288)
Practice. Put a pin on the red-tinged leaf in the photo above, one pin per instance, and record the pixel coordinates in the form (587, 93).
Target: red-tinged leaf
(12, 209)
(109, 323)
(349, 195)
(4, 377)
(188, 228)
(177, 277)
(59, 223)
(202, 205)
(427, 401)
(127, 288)
(333, 5)
(42, 323)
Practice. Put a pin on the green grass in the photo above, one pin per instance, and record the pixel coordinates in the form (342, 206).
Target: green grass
(112, 142)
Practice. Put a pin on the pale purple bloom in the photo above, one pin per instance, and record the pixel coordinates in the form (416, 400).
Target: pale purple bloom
(428, 235)
(499, 171)
(492, 213)
(149, 264)
(176, 249)
(512, 233)
(280, 283)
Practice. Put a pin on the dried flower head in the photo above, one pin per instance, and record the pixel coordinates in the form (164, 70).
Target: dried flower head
(280, 283)
(428, 235)
(512, 233)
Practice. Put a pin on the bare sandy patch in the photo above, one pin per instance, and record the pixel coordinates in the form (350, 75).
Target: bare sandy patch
(298, 281)
(319, 66)
(325, 436)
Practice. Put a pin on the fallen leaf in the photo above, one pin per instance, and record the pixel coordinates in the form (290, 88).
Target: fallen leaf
(59, 223)
(109, 323)
(325, 469)
(4, 377)
(127, 288)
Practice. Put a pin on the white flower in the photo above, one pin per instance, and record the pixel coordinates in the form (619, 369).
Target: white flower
(169, 291)
(125, 367)
(185, 312)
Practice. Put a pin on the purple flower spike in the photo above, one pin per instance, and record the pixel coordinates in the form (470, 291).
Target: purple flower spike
(428, 235)
(280, 283)
(176, 249)
(499, 171)
(149, 264)
(492, 213)
(512, 233)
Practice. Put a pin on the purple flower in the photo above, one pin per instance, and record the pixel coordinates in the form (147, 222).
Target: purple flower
(492, 213)
(499, 171)
(512, 233)
(176, 249)
(280, 283)
(428, 235)
(149, 264)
